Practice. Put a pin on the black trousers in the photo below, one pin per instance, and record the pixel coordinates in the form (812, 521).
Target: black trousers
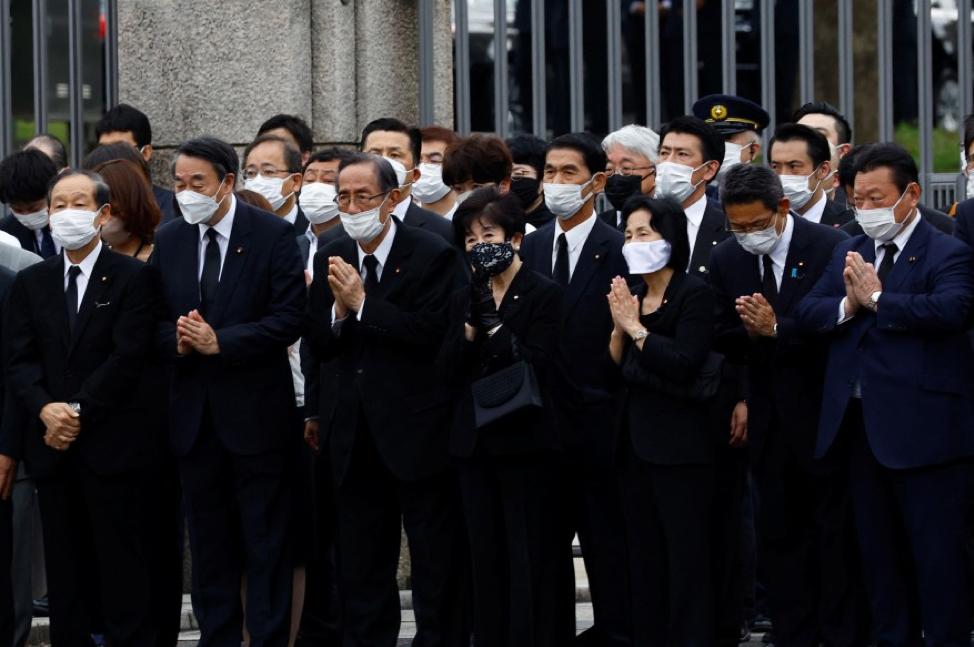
(912, 530)
(161, 520)
(809, 551)
(91, 524)
(7, 619)
(321, 617)
(238, 516)
(373, 508)
(727, 559)
(668, 516)
(509, 503)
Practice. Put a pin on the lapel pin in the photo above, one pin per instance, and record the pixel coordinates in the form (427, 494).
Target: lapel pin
(912, 259)
(800, 263)
(702, 268)
(598, 256)
(794, 272)
(398, 270)
(104, 279)
(713, 242)
(516, 297)
(240, 250)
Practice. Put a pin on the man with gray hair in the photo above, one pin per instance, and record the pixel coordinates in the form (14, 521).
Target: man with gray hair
(806, 539)
(631, 166)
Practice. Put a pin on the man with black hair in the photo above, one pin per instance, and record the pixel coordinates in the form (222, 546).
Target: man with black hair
(477, 161)
(801, 158)
(583, 253)
(24, 178)
(807, 542)
(826, 119)
(234, 291)
(528, 153)
(292, 129)
(895, 306)
(432, 192)
(131, 126)
(272, 168)
(50, 146)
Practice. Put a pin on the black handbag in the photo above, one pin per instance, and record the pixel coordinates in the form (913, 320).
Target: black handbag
(703, 387)
(502, 393)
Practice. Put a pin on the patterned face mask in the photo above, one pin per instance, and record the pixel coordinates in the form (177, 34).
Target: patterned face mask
(491, 258)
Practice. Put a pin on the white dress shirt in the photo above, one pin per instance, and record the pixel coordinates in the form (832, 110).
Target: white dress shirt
(381, 256)
(576, 238)
(401, 209)
(223, 229)
(694, 215)
(449, 214)
(86, 266)
(312, 250)
(815, 211)
(292, 215)
(779, 255)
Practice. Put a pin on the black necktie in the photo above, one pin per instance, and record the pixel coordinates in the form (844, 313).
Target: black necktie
(47, 244)
(886, 265)
(71, 295)
(210, 278)
(371, 273)
(769, 287)
(561, 275)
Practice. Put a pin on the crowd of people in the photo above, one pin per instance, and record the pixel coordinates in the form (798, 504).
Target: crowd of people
(746, 387)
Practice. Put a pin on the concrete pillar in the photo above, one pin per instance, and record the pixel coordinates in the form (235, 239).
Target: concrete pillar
(334, 72)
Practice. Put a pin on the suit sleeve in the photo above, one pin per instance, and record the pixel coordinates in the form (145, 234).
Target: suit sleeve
(962, 223)
(118, 376)
(730, 337)
(281, 326)
(680, 358)
(12, 424)
(25, 373)
(816, 313)
(165, 328)
(944, 308)
(322, 341)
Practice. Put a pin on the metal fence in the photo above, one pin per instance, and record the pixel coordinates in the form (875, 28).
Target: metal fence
(527, 63)
(47, 87)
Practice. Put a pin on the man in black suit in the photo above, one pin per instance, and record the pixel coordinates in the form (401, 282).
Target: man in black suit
(528, 153)
(24, 178)
(807, 541)
(402, 146)
(802, 159)
(73, 363)
(378, 308)
(826, 119)
(583, 253)
(630, 154)
(123, 123)
(272, 168)
(234, 290)
(292, 129)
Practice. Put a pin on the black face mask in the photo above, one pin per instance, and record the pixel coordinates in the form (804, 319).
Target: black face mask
(620, 188)
(491, 258)
(526, 190)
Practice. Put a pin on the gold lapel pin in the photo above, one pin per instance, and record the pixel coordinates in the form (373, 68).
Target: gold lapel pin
(912, 259)
(240, 250)
(104, 279)
(713, 242)
(598, 256)
(516, 297)
(398, 270)
(801, 263)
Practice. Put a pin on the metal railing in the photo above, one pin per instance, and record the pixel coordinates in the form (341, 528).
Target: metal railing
(502, 36)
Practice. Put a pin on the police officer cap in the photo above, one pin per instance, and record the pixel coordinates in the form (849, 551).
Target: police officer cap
(730, 114)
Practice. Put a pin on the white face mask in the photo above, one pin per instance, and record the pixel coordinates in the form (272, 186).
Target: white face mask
(74, 228)
(269, 187)
(646, 257)
(363, 226)
(399, 168)
(732, 158)
(429, 187)
(33, 221)
(673, 180)
(796, 188)
(880, 223)
(760, 242)
(565, 200)
(196, 207)
(830, 191)
(318, 202)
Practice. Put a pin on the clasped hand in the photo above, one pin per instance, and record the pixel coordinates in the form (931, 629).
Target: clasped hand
(346, 286)
(756, 314)
(861, 282)
(624, 306)
(62, 424)
(193, 333)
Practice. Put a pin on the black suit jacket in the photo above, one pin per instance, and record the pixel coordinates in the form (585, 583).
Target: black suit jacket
(385, 362)
(786, 374)
(938, 219)
(835, 215)
(12, 226)
(666, 429)
(713, 229)
(531, 313)
(611, 217)
(247, 387)
(164, 198)
(99, 366)
(586, 407)
(416, 216)
(300, 223)
(964, 218)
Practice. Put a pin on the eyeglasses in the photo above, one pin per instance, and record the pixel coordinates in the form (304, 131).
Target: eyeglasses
(749, 229)
(251, 173)
(360, 200)
(630, 170)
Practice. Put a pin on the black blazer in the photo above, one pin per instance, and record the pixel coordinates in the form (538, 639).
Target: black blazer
(416, 216)
(665, 429)
(164, 198)
(99, 366)
(713, 229)
(785, 374)
(385, 362)
(12, 226)
(938, 219)
(7, 447)
(611, 217)
(300, 223)
(964, 218)
(531, 312)
(247, 387)
(835, 215)
(586, 406)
